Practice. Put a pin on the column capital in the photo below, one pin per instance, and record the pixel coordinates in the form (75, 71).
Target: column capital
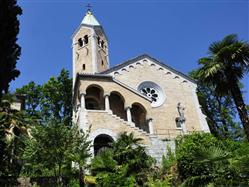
(127, 107)
(82, 94)
(106, 95)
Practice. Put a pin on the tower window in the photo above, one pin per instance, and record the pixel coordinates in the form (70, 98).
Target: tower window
(98, 40)
(86, 39)
(102, 62)
(83, 66)
(102, 44)
(80, 42)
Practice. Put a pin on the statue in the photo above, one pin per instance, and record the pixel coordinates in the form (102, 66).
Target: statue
(181, 109)
(180, 121)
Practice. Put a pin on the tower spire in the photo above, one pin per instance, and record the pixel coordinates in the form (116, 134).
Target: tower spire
(89, 18)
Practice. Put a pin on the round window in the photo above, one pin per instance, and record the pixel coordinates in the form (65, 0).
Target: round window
(152, 91)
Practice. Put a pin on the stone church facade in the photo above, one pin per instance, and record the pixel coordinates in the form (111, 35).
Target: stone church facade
(141, 96)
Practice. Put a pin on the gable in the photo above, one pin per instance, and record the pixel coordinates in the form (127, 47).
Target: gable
(140, 60)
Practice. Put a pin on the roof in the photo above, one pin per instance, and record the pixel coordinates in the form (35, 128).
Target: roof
(140, 57)
(108, 77)
(89, 19)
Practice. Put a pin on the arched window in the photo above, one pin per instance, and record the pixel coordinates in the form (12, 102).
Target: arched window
(80, 42)
(102, 44)
(86, 39)
(83, 66)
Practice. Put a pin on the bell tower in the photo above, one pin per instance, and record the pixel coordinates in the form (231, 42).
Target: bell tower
(90, 47)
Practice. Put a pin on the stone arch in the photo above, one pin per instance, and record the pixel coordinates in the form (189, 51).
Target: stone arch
(107, 132)
(117, 104)
(138, 116)
(101, 143)
(94, 99)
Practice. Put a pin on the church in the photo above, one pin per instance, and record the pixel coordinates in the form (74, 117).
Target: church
(142, 95)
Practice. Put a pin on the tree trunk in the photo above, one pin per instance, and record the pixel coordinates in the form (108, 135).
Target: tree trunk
(240, 104)
(81, 177)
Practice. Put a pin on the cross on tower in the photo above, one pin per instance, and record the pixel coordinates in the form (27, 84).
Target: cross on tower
(89, 7)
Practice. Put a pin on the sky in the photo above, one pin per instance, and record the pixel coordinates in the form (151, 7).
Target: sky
(176, 32)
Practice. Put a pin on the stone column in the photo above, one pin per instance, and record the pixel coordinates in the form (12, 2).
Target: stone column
(128, 113)
(150, 124)
(107, 103)
(82, 101)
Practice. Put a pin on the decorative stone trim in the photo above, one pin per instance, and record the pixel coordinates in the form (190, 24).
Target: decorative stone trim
(98, 132)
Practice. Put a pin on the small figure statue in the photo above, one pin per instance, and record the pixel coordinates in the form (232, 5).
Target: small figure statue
(180, 121)
(181, 109)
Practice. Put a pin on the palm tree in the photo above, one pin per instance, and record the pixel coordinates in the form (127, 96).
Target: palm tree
(124, 163)
(226, 65)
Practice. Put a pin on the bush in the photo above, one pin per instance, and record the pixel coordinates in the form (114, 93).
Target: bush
(125, 164)
(188, 149)
(204, 160)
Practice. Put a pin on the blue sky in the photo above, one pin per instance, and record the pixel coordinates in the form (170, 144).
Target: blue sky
(176, 32)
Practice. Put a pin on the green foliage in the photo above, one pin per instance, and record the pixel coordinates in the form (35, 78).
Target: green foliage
(10, 50)
(33, 95)
(51, 100)
(204, 160)
(225, 66)
(56, 99)
(187, 147)
(158, 183)
(14, 127)
(168, 160)
(52, 149)
(125, 164)
(220, 111)
(74, 183)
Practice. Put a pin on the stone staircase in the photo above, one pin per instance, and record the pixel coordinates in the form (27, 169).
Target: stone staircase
(154, 145)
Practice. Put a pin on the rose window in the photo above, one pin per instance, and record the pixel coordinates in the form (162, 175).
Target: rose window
(152, 91)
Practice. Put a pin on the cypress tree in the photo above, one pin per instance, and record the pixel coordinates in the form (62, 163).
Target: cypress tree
(10, 51)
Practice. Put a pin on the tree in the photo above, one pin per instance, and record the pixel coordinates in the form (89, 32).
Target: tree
(33, 94)
(56, 99)
(10, 51)
(203, 160)
(52, 148)
(223, 68)
(14, 126)
(220, 111)
(53, 99)
(125, 164)
(80, 151)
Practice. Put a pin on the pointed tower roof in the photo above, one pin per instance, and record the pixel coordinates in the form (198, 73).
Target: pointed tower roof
(89, 19)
